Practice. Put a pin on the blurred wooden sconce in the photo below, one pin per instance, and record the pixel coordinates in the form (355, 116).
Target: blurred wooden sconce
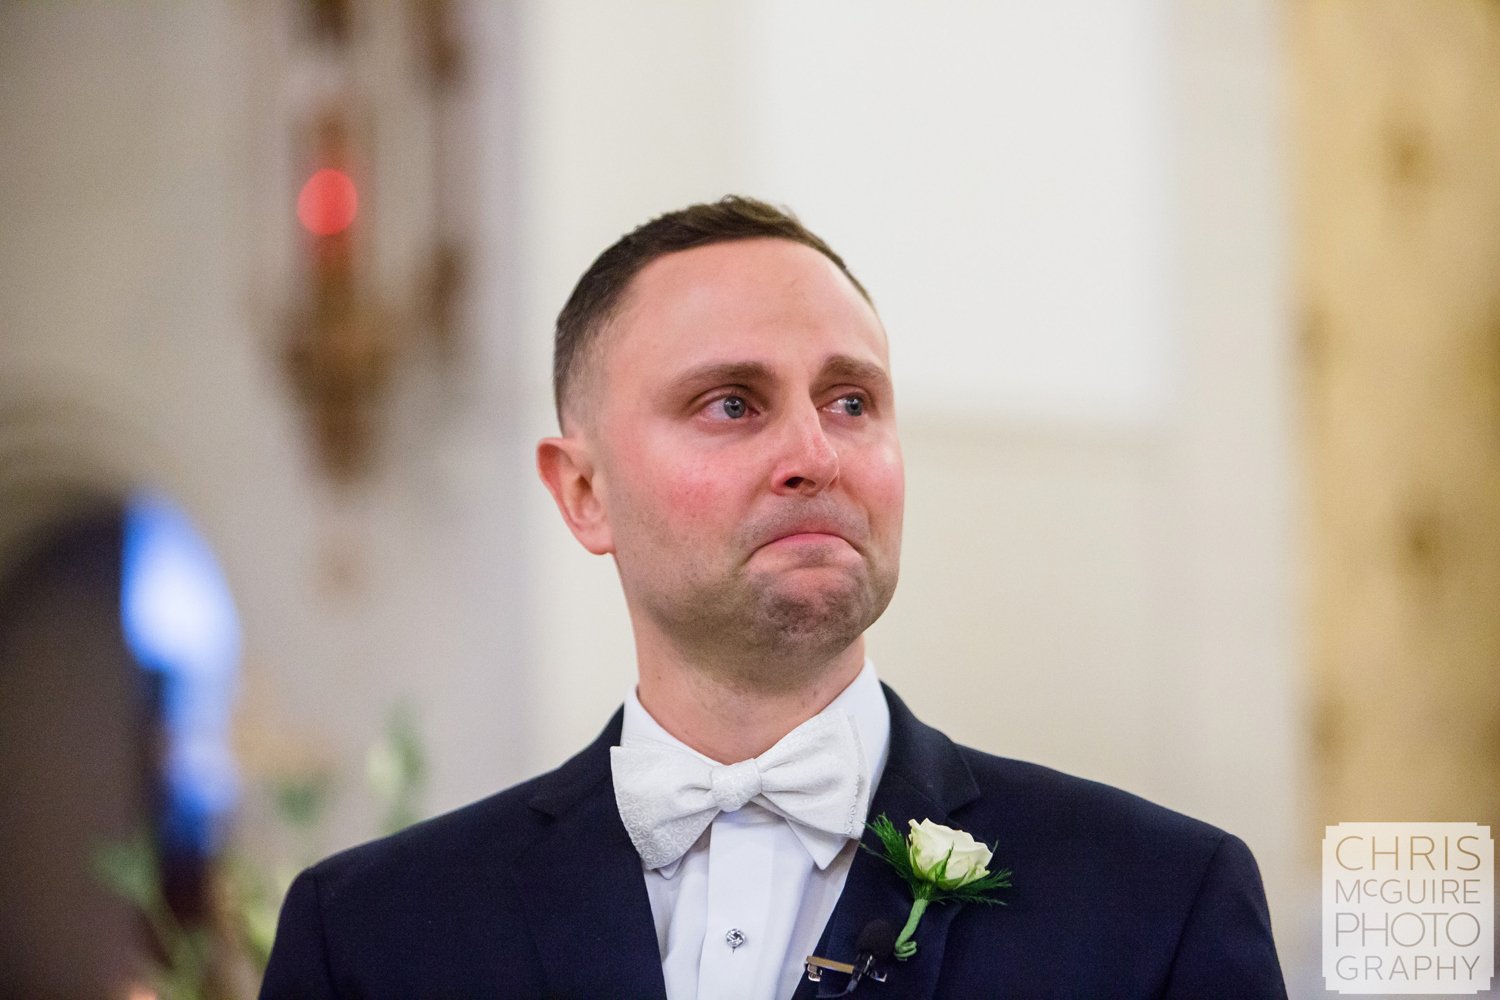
(349, 328)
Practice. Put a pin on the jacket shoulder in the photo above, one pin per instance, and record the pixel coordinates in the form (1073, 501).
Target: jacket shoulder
(1161, 898)
(442, 839)
(441, 908)
(1068, 806)
(479, 837)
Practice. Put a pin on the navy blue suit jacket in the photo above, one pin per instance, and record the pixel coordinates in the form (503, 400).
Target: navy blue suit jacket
(537, 892)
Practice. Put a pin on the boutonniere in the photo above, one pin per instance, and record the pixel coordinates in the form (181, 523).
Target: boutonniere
(941, 865)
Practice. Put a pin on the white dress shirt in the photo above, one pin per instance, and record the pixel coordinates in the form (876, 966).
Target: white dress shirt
(750, 880)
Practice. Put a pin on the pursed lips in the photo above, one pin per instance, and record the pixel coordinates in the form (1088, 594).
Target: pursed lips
(810, 534)
(810, 531)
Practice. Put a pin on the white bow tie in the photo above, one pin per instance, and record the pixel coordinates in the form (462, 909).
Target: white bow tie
(814, 777)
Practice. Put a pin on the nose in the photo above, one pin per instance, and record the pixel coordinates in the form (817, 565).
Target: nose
(807, 463)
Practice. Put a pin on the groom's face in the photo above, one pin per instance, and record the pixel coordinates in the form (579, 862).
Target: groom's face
(747, 461)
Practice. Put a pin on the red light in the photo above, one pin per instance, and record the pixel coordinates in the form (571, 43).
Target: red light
(327, 203)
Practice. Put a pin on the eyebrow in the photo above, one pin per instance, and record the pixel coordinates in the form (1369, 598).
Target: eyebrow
(839, 368)
(725, 373)
(842, 368)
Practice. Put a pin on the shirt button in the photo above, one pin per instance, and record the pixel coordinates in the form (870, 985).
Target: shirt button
(735, 937)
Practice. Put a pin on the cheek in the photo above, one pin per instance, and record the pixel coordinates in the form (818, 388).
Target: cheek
(885, 488)
(692, 499)
(677, 495)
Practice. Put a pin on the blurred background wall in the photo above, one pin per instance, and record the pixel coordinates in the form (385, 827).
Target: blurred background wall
(1399, 342)
(1132, 257)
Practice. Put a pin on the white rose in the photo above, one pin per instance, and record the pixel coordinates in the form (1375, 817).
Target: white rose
(931, 843)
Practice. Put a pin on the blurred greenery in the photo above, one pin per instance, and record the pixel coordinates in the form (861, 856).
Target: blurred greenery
(396, 770)
(199, 962)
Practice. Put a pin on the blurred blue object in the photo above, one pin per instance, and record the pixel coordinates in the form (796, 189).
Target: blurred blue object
(181, 626)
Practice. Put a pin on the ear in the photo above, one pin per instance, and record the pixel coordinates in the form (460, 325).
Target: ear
(567, 470)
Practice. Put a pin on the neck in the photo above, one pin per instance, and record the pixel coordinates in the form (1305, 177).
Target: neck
(724, 714)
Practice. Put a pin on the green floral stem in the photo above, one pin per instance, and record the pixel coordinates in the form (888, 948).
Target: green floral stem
(905, 946)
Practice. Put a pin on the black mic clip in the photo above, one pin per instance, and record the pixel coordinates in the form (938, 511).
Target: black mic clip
(876, 942)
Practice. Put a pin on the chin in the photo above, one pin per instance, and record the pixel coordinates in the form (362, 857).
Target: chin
(817, 622)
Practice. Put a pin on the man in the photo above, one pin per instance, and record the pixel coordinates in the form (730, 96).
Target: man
(729, 437)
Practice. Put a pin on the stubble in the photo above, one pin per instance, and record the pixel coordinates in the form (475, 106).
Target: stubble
(768, 629)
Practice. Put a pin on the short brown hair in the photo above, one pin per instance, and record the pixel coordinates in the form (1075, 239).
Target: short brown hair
(600, 291)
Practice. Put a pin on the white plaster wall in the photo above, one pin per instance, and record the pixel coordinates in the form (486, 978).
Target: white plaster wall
(996, 171)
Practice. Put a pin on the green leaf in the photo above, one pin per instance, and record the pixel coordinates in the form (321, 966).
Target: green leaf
(129, 869)
(254, 903)
(978, 891)
(396, 769)
(896, 853)
(301, 800)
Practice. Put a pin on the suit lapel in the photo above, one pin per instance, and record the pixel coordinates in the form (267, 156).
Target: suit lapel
(925, 778)
(589, 915)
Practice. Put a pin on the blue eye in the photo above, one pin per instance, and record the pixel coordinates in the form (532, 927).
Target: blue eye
(853, 405)
(734, 407)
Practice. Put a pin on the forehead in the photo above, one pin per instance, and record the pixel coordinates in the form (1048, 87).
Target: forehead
(755, 299)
